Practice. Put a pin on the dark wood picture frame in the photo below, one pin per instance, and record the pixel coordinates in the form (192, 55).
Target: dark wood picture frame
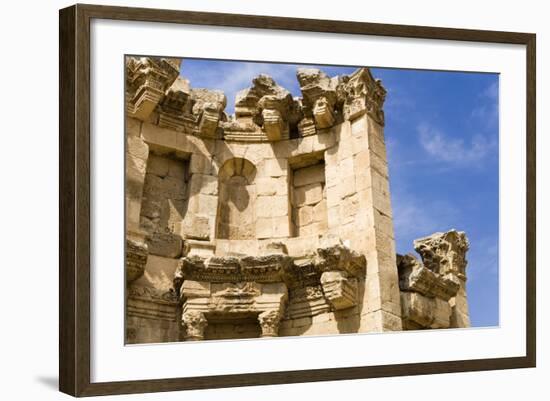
(74, 202)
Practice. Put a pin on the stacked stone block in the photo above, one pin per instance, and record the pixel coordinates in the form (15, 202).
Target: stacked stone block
(274, 221)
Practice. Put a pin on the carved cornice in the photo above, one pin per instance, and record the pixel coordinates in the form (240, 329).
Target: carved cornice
(294, 272)
(260, 269)
(147, 80)
(413, 276)
(136, 259)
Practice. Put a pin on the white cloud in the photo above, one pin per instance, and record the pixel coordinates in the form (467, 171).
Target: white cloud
(231, 77)
(416, 218)
(443, 148)
(491, 91)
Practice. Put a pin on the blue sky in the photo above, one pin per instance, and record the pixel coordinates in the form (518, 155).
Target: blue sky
(442, 139)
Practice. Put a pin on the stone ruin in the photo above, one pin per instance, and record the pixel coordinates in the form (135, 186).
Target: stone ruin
(274, 221)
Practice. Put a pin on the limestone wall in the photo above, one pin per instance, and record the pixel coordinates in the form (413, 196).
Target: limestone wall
(274, 221)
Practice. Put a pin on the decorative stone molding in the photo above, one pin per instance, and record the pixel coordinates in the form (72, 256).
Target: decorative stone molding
(363, 94)
(174, 110)
(147, 79)
(431, 289)
(339, 289)
(319, 96)
(136, 259)
(226, 287)
(268, 106)
(413, 276)
(269, 323)
(444, 253)
(323, 113)
(195, 323)
(307, 301)
(306, 127)
(274, 111)
(208, 109)
(261, 269)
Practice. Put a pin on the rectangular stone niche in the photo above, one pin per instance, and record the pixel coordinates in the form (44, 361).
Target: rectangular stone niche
(308, 196)
(164, 203)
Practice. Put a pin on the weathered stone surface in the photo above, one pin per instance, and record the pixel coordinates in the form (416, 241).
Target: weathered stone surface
(208, 109)
(195, 323)
(320, 96)
(444, 253)
(174, 110)
(268, 106)
(440, 278)
(339, 289)
(136, 258)
(262, 223)
(147, 79)
(413, 276)
(363, 94)
(168, 244)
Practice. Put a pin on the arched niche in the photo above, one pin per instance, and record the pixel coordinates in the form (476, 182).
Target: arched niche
(237, 194)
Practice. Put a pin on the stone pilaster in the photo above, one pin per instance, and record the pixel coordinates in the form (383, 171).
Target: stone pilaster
(364, 189)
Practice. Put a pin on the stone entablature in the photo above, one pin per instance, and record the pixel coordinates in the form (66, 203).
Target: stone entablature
(263, 112)
(232, 288)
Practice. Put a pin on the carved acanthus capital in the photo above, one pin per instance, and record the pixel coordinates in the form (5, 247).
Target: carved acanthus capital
(340, 290)
(147, 79)
(195, 323)
(363, 94)
(269, 323)
(136, 259)
(444, 253)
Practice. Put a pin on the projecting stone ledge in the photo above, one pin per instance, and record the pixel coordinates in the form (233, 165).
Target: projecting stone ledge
(147, 80)
(258, 286)
(430, 289)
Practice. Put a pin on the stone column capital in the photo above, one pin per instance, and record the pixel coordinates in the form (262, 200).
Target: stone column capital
(195, 323)
(269, 323)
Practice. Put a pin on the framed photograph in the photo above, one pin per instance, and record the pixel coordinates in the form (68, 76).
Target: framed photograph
(250, 200)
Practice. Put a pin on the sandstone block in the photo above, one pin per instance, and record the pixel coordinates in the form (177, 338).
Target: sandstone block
(309, 175)
(308, 194)
(168, 245)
